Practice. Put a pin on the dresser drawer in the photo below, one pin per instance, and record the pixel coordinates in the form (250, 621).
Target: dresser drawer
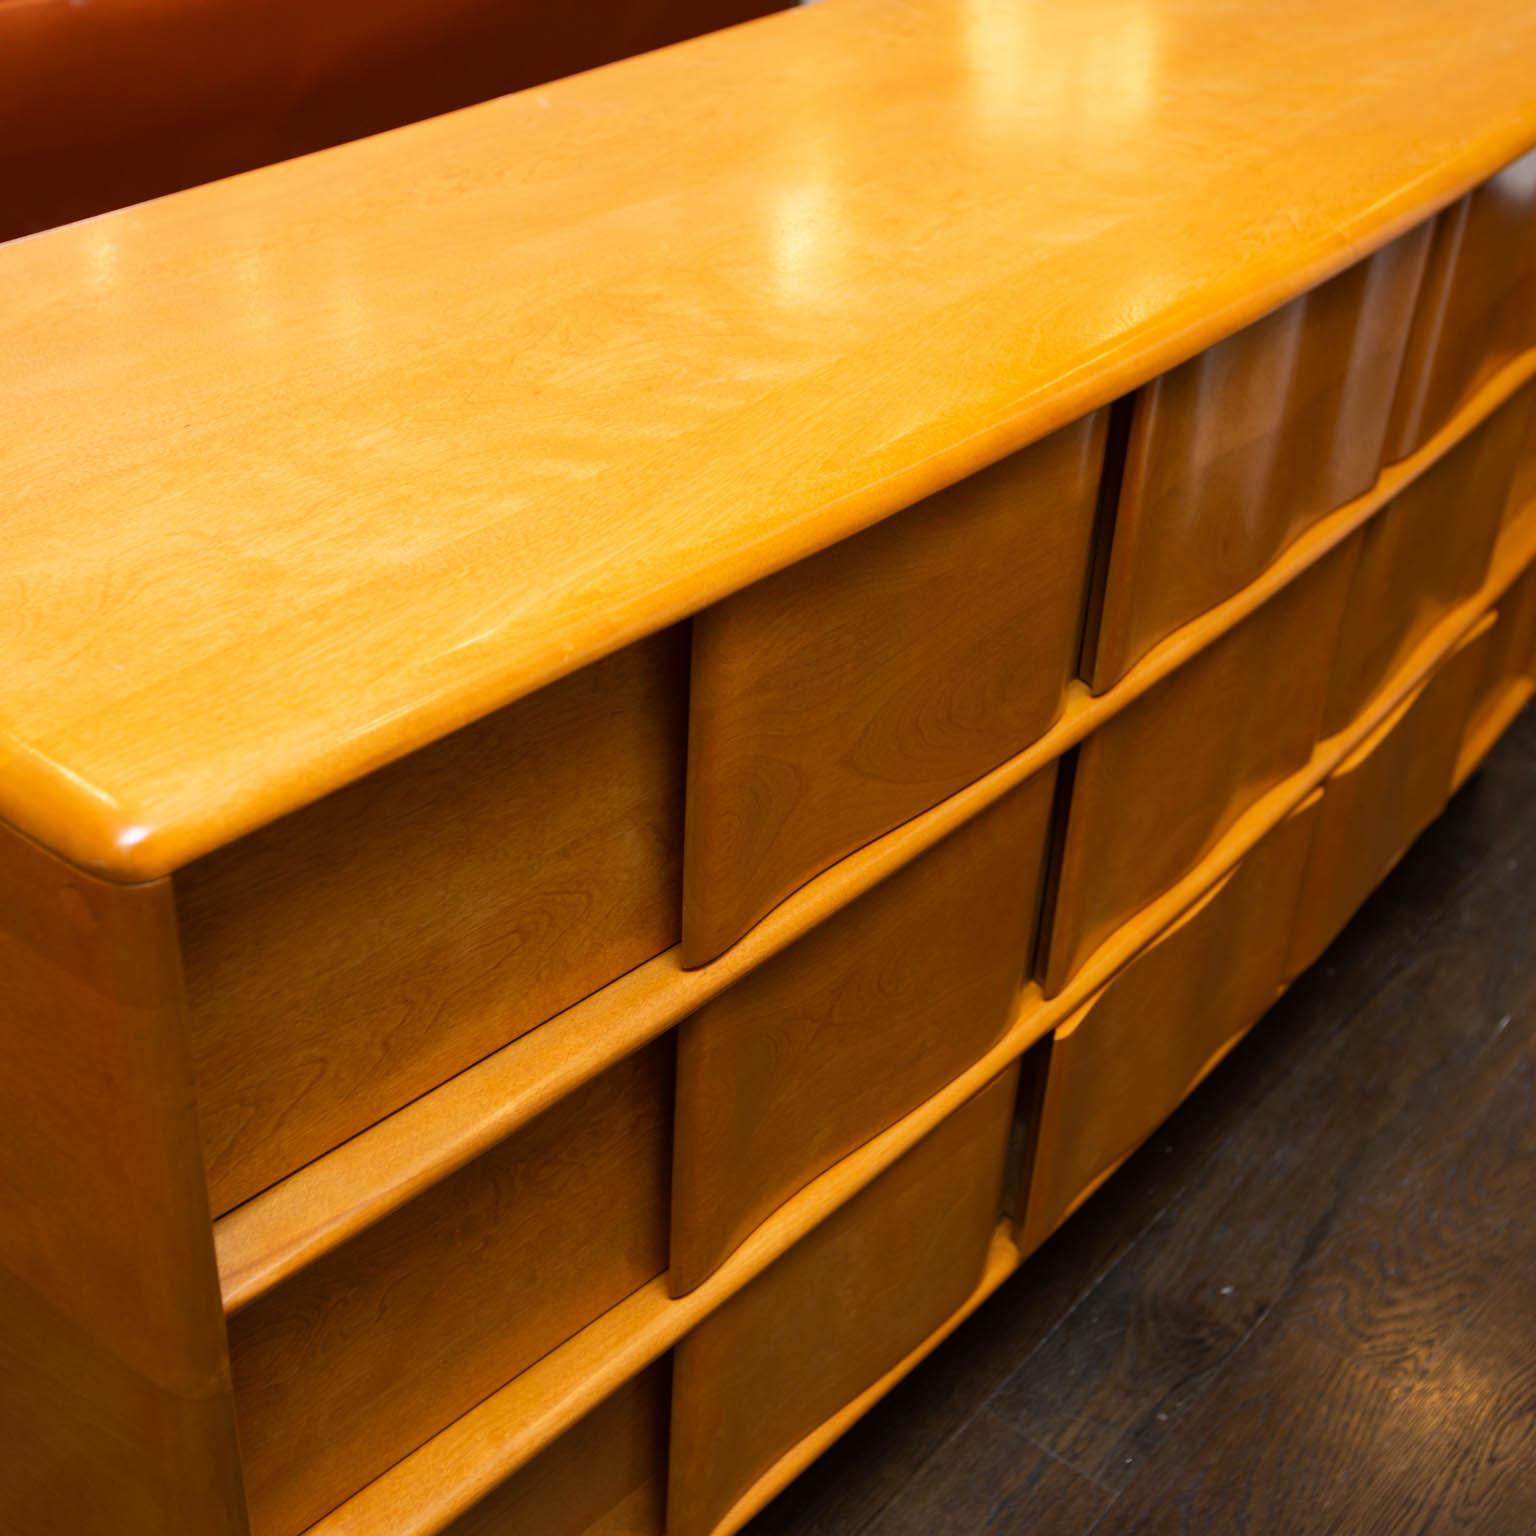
(1235, 454)
(355, 954)
(361, 1356)
(1505, 675)
(1156, 786)
(849, 1029)
(845, 695)
(1124, 1062)
(1423, 553)
(1511, 647)
(605, 1476)
(844, 1306)
(1518, 524)
(1378, 800)
(1477, 304)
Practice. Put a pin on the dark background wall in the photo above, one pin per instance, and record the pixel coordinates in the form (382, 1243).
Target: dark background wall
(109, 102)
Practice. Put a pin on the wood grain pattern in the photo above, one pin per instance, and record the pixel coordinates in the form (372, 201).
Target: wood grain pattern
(1428, 998)
(1383, 795)
(379, 1169)
(845, 695)
(901, 1257)
(1296, 1474)
(389, 1347)
(1511, 662)
(849, 1029)
(1477, 306)
(1002, 1260)
(1507, 672)
(1237, 452)
(1119, 1068)
(1468, 1426)
(358, 953)
(991, 1481)
(1516, 527)
(363, 1355)
(1156, 786)
(1402, 1282)
(604, 1477)
(115, 1411)
(1423, 553)
(440, 1474)
(378, 469)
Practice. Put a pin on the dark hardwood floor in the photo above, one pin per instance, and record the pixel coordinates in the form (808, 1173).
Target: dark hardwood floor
(1308, 1304)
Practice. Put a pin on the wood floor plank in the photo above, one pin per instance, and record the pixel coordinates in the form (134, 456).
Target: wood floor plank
(1306, 1439)
(990, 1479)
(1400, 1284)
(1277, 1451)
(1469, 1462)
(1408, 1295)
(1487, 811)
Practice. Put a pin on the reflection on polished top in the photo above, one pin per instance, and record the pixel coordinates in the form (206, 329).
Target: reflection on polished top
(308, 467)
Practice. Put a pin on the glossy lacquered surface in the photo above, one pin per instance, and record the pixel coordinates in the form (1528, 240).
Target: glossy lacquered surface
(1229, 458)
(735, 1446)
(1478, 304)
(494, 1182)
(313, 466)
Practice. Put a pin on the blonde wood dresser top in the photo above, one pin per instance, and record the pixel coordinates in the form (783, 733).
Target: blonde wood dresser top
(307, 468)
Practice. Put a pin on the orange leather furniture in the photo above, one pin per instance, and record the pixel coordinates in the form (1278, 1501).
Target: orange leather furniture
(113, 101)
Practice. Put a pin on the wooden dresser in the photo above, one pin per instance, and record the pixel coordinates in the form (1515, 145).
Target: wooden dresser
(645, 728)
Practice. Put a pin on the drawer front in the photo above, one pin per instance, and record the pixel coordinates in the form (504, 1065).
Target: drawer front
(1235, 454)
(1477, 304)
(356, 954)
(1381, 797)
(1519, 519)
(1127, 1059)
(1158, 785)
(835, 1313)
(845, 695)
(852, 1027)
(1511, 654)
(1422, 554)
(605, 1476)
(359, 1358)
